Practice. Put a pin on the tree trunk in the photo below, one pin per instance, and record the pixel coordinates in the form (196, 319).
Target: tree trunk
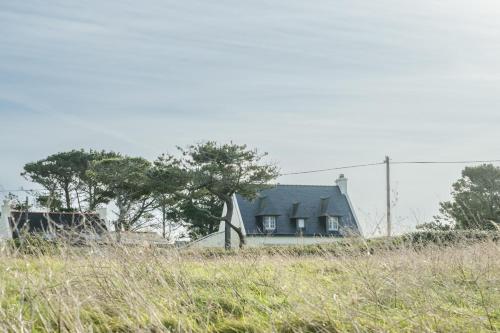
(91, 199)
(117, 230)
(120, 223)
(78, 200)
(67, 197)
(229, 226)
(164, 221)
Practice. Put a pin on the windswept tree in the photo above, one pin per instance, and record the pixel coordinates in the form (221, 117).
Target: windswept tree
(56, 173)
(127, 178)
(168, 181)
(89, 193)
(64, 177)
(222, 171)
(475, 202)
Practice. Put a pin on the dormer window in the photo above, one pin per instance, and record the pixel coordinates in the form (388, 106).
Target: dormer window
(332, 223)
(301, 223)
(269, 223)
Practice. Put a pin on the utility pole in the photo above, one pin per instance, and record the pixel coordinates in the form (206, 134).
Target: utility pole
(388, 189)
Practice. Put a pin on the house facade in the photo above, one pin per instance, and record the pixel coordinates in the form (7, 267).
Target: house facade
(291, 214)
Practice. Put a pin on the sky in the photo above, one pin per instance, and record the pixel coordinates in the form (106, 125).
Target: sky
(316, 84)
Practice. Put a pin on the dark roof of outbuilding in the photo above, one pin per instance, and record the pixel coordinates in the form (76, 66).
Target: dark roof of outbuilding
(295, 201)
(42, 221)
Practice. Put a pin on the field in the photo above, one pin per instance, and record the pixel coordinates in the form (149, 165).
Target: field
(432, 288)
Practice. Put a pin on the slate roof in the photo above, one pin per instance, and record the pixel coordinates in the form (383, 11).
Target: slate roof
(43, 222)
(289, 202)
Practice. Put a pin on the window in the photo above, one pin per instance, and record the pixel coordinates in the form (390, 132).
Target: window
(332, 223)
(301, 223)
(269, 223)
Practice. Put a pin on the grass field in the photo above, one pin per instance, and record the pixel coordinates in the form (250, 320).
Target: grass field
(432, 289)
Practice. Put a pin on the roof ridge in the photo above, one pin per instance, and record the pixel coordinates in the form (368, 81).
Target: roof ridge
(60, 213)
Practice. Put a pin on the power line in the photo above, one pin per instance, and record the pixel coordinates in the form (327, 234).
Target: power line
(331, 169)
(445, 162)
(392, 162)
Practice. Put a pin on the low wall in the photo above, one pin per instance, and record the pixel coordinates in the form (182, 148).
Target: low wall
(213, 240)
(288, 240)
(217, 240)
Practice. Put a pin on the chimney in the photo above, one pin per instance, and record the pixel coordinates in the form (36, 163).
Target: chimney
(342, 184)
(5, 231)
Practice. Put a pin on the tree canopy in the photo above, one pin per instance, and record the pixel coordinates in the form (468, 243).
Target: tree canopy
(127, 178)
(168, 181)
(475, 202)
(64, 177)
(201, 215)
(223, 170)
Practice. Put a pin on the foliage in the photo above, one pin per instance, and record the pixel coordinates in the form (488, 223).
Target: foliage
(168, 181)
(223, 170)
(56, 172)
(436, 225)
(127, 178)
(475, 200)
(199, 215)
(64, 177)
(87, 190)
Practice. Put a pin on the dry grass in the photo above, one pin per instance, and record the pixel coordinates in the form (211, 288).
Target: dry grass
(453, 289)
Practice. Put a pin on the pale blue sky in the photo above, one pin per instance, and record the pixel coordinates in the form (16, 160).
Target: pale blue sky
(317, 84)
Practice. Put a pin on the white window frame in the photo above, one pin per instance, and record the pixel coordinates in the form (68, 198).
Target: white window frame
(299, 223)
(269, 222)
(332, 223)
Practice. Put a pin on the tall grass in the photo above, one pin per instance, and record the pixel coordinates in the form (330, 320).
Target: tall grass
(129, 289)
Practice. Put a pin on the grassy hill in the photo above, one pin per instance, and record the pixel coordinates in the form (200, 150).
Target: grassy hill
(426, 283)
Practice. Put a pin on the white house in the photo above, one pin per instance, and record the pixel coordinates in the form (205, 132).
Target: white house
(290, 214)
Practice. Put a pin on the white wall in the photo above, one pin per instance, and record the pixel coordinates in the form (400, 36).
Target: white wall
(5, 231)
(217, 240)
(288, 240)
(213, 240)
(236, 218)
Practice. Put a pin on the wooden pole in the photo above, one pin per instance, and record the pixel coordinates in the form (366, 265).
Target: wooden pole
(388, 193)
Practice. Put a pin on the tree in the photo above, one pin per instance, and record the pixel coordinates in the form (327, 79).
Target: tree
(128, 179)
(87, 190)
(475, 200)
(222, 171)
(168, 181)
(56, 172)
(66, 173)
